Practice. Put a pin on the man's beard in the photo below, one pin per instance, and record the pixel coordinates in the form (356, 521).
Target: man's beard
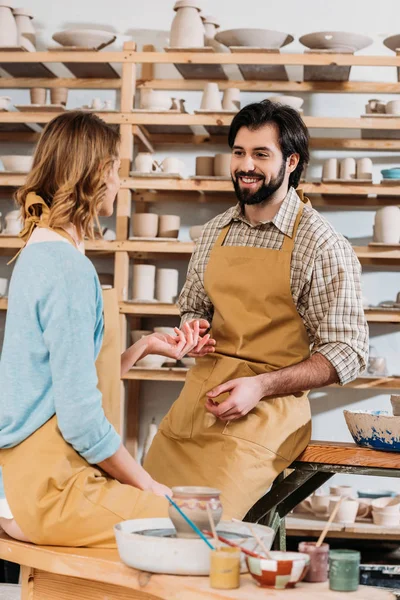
(263, 193)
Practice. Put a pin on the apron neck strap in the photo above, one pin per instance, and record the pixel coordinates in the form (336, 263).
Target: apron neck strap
(221, 238)
(288, 242)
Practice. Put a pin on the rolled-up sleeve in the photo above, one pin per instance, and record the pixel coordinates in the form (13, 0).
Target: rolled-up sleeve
(335, 317)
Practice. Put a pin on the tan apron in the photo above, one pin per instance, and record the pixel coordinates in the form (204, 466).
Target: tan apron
(56, 497)
(257, 329)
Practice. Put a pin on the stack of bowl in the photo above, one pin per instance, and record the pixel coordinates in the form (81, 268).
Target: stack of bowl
(386, 511)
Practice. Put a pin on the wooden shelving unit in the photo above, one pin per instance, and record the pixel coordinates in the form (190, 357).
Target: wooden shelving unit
(148, 130)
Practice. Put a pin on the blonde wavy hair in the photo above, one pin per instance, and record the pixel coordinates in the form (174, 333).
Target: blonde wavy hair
(72, 158)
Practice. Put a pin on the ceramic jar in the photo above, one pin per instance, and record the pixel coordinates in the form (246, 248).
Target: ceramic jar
(167, 285)
(347, 169)
(168, 226)
(211, 99)
(205, 166)
(38, 95)
(387, 225)
(8, 26)
(393, 107)
(145, 225)
(330, 169)
(59, 95)
(222, 165)
(23, 19)
(187, 29)
(143, 282)
(344, 570)
(364, 168)
(193, 501)
(395, 402)
(145, 162)
(319, 557)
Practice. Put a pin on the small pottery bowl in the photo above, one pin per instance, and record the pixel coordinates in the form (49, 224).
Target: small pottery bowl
(372, 494)
(387, 505)
(193, 500)
(17, 163)
(151, 361)
(386, 519)
(90, 38)
(283, 570)
(374, 429)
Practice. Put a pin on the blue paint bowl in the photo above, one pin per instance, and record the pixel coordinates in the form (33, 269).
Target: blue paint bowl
(393, 173)
(376, 429)
(374, 494)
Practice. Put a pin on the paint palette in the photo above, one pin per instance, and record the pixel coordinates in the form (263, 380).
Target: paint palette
(376, 429)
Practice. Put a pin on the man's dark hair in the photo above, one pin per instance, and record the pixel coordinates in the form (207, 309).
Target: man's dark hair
(293, 134)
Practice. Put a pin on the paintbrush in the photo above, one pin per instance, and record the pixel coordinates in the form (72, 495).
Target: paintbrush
(230, 543)
(256, 537)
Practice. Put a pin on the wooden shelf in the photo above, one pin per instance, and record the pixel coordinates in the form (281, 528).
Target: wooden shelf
(299, 524)
(376, 315)
(3, 303)
(148, 309)
(163, 374)
(378, 383)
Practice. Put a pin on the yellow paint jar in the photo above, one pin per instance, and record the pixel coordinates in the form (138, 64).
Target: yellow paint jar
(225, 568)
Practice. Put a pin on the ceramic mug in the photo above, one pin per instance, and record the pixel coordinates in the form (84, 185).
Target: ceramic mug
(342, 490)
(167, 285)
(231, 99)
(347, 168)
(145, 225)
(330, 168)
(348, 510)
(375, 106)
(364, 168)
(222, 165)
(38, 95)
(211, 99)
(145, 163)
(393, 107)
(59, 95)
(168, 226)
(171, 164)
(205, 165)
(3, 286)
(143, 282)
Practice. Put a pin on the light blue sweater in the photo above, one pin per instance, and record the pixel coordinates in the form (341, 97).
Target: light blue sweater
(54, 331)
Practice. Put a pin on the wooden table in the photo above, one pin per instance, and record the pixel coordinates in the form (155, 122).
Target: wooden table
(50, 573)
(314, 467)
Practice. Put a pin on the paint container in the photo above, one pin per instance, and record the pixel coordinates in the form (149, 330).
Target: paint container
(344, 570)
(318, 570)
(225, 568)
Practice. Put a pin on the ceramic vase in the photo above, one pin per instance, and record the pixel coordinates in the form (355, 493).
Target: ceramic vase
(387, 225)
(145, 225)
(205, 166)
(222, 165)
(187, 29)
(8, 26)
(168, 226)
(38, 95)
(143, 282)
(211, 99)
(167, 285)
(231, 99)
(210, 24)
(59, 95)
(193, 502)
(23, 19)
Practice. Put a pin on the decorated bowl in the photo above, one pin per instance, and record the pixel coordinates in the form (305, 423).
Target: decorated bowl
(376, 429)
(282, 570)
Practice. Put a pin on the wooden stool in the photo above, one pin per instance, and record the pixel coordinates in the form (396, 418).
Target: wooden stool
(51, 573)
(314, 467)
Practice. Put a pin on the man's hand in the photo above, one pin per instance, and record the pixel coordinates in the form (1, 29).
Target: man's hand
(244, 394)
(202, 350)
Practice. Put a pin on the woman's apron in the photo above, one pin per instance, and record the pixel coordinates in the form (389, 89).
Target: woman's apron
(55, 496)
(257, 330)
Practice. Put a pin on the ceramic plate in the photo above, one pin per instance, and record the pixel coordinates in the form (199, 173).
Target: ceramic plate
(337, 40)
(261, 38)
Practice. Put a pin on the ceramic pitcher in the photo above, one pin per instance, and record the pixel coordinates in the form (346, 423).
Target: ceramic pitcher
(8, 26)
(187, 29)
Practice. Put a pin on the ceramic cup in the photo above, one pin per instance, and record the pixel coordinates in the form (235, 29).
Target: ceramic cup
(375, 106)
(59, 95)
(145, 163)
(231, 99)
(205, 165)
(341, 490)
(137, 334)
(364, 168)
(168, 226)
(38, 95)
(386, 505)
(387, 225)
(393, 107)
(171, 164)
(143, 282)
(211, 99)
(145, 225)
(395, 402)
(347, 511)
(193, 501)
(222, 165)
(377, 365)
(167, 285)
(386, 519)
(3, 286)
(347, 168)
(330, 169)
(318, 570)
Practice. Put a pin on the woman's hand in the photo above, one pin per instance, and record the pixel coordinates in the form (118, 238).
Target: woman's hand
(159, 489)
(187, 339)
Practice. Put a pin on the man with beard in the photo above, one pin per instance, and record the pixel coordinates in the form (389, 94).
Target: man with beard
(282, 291)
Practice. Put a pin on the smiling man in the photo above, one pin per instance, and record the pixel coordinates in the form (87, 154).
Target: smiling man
(281, 290)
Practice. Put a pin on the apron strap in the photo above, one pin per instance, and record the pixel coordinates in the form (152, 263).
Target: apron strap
(288, 242)
(221, 238)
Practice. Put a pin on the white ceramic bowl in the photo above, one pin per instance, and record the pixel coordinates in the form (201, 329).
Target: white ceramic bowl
(267, 571)
(386, 505)
(374, 429)
(87, 38)
(15, 162)
(152, 361)
(195, 232)
(188, 361)
(392, 42)
(293, 101)
(165, 330)
(259, 38)
(386, 519)
(335, 40)
(175, 556)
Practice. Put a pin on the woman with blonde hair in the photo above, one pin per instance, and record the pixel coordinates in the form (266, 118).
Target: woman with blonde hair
(65, 476)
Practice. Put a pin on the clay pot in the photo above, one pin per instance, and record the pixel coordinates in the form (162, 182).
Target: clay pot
(38, 95)
(8, 26)
(145, 163)
(222, 165)
(23, 19)
(319, 558)
(347, 168)
(211, 99)
(330, 169)
(231, 99)
(167, 285)
(205, 166)
(387, 225)
(145, 225)
(193, 501)
(59, 95)
(187, 29)
(168, 226)
(155, 100)
(143, 282)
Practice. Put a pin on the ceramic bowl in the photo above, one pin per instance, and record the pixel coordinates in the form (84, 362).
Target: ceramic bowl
(293, 101)
(188, 361)
(283, 570)
(374, 429)
(151, 361)
(386, 519)
(393, 173)
(195, 232)
(259, 38)
(15, 162)
(86, 38)
(386, 505)
(335, 40)
(392, 42)
(372, 494)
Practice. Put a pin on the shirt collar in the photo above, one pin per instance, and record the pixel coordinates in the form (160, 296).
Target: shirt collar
(284, 219)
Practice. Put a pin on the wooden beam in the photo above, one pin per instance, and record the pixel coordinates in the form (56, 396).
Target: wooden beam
(140, 134)
(68, 82)
(137, 309)
(162, 374)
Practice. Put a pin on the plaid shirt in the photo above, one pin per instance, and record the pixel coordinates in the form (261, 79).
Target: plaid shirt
(325, 279)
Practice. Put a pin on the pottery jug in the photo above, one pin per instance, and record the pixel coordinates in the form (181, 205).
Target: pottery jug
(8, 26)
(167, 285)
(13, 223)
(145, 163)
(211, 99)
(187, 29)
(143, 282)
(387, 225)
(193, 501)
(23, 19)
